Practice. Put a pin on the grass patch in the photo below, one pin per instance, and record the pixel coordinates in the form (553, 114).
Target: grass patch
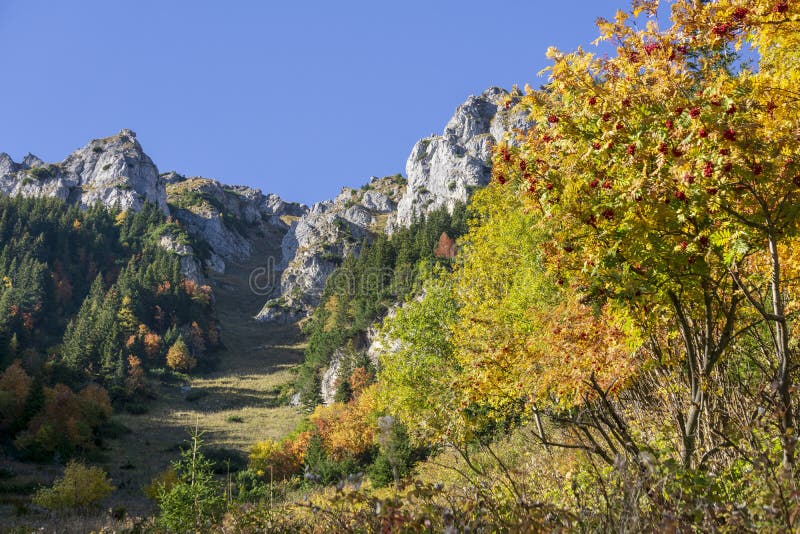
(195, 395)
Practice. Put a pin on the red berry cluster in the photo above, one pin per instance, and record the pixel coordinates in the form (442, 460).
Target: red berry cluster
(651, 47)
(782, 6)
(721, 29)
(708, 169)
(740, 13)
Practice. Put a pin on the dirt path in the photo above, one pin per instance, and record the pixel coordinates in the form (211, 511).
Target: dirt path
(235, 406)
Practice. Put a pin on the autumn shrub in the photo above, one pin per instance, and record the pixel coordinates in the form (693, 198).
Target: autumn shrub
(81, 488)
(161, 483)
(67, 422)
(346, 429)
(15, 385)
(179, 358)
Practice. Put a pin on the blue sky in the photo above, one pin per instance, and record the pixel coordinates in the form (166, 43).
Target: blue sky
(296, 98)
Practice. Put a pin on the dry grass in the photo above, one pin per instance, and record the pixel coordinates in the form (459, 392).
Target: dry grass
(242, 402)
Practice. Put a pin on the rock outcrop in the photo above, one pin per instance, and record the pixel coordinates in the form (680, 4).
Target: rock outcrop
(224, 216)
(114, 171)
(318, 242)
(444, 170)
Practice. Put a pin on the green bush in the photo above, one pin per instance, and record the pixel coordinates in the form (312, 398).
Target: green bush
(80, 488)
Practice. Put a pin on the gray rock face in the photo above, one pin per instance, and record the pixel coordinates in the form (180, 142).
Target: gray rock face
(444, 170)
(330, 378)
(221, 215)
(114, 171)
(190, 267)
(317, 243)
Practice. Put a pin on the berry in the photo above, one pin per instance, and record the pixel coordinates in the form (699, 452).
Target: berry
(568, 248)
(721, 29)
(608, 214)
(694, 113)
(662, 148)
(606, 116)
(631, 149)
(680, 195)
(725, 151)
(626, 102)
(596, 145)
(688, 178)
(740, 13)
(669, 124)
(651, 47)
(552, 119)
(704, 241)
(711, 191)
(727, 167)
(678, 110)
(607, 184)
(702, 132)
(619, 126)
(757, 169)
(677, 152)
(781, 7)
(708, 169)
(684, 244)
(548, 186)
(594, 183)
(592, 100)
(523, 164)
(731, 110)
(501, 179)
(715, 101)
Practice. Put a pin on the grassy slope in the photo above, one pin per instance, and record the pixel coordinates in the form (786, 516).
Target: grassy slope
(254, 365)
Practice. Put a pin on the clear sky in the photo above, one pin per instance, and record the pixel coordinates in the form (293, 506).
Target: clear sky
(295, 98)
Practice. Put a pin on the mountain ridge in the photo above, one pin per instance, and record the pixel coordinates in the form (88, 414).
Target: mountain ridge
(443, 170)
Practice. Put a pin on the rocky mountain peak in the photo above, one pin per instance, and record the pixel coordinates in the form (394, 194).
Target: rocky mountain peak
(444, 170)
(319, 240)
(114, 171)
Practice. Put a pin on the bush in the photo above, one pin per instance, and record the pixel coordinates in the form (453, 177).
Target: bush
(161, 483)
(80, 488)
(179, 358)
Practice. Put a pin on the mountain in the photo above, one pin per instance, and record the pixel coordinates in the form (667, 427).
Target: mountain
(319, 240)
(443, 171)
(113, 171)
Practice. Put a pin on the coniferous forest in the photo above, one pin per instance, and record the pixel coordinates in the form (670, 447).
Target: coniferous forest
(602, 339)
